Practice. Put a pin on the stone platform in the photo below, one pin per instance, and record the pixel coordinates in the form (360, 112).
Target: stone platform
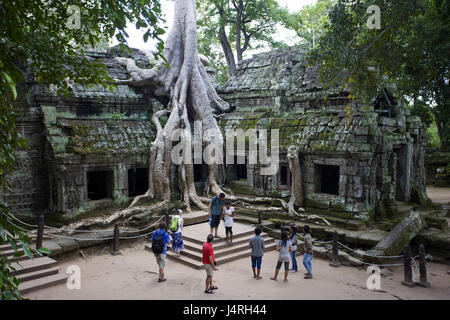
(195, 235)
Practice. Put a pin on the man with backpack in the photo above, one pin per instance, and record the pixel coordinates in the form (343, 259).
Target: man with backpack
(160, 240)
(215, 210)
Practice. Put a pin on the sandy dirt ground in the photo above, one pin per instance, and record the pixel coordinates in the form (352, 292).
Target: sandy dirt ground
(439, 195)
(133, 275)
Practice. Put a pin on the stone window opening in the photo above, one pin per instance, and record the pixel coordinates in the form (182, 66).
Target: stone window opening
(284, 176)
(329, 179)
(99, 185)
(137, 181)
(384, 104)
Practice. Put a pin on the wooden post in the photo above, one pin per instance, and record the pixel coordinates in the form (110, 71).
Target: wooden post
(407, 267)
(115, 250)
(40, 233)
(423, 268)
(335, 256)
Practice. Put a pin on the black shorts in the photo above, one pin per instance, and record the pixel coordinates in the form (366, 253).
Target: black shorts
(286, 265)
(228, 230)
(215, 220)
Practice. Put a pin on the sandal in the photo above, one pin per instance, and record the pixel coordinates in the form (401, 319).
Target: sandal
(162, 280)
(213, 288)
(210, 291)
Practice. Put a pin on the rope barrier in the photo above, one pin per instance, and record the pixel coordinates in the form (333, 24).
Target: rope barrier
(92, 231)
(370, 255)
(32, 225)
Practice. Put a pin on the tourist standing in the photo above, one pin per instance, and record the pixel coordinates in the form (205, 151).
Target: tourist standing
(294, 238)
(228, 214)
(215, 210)
(176, 227)
(308, 255)
(160, 240)
(257, 246)
(284, 247)
(209, 263)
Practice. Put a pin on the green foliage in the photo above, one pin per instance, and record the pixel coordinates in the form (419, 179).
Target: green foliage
(433, 137)
(252, 21)
(411, 48)
(39, 41)
(311, 20)
(120, 199)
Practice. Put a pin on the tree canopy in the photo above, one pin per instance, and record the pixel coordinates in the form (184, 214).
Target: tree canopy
(309, 22)
(239, 25)
(411, 48)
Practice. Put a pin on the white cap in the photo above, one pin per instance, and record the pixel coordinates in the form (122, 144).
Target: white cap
(180, 211)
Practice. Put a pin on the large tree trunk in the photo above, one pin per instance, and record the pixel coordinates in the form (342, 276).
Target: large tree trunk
(228, 52)
(192, 97)
(239, 8)
(296, 199)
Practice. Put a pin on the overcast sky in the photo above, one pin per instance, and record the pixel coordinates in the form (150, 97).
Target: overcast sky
(136, 41)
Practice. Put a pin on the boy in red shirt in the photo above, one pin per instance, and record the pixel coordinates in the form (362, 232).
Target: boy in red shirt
(209, 264)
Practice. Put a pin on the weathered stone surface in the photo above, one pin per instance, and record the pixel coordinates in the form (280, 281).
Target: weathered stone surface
(54, 248)
(394, 242)
(67, 245)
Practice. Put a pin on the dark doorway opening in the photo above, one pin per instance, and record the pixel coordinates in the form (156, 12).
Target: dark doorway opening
(99, 185)
(241, 171)
(137, 181)
(198, 173)
(329, 179)
(284, 176)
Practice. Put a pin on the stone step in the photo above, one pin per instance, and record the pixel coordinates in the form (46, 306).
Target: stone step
(186, 260)
(238, 248)
(10, 252)
(43, 282)
(237, 236)
(7, 247)
(197, 247)
(224, 251)
(32, 265)
(240, 255)
(194, 260)
(11, 258)
(38, 274)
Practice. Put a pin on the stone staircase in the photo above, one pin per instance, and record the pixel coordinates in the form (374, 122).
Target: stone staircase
(192, 254)
(37, 273)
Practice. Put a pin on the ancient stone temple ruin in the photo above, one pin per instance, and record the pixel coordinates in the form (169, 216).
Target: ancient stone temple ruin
(91, 148)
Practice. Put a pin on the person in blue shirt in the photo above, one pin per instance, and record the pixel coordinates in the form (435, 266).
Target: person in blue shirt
(215, 210)
(161, 258)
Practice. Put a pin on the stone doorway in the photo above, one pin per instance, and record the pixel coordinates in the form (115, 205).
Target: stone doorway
(137, 181)
(329, 178)
(99, 185)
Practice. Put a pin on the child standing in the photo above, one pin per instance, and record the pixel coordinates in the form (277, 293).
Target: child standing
(293, 239)
(228, 214)
(284, 247)
(307, 257)
(257, 246)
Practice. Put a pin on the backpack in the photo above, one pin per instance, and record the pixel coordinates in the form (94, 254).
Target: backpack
(158, 243)
(174, 224)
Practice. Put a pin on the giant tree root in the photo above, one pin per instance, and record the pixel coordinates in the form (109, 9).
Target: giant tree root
(107, 221)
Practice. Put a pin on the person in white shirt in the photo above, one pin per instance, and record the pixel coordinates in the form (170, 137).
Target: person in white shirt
(228, 214)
